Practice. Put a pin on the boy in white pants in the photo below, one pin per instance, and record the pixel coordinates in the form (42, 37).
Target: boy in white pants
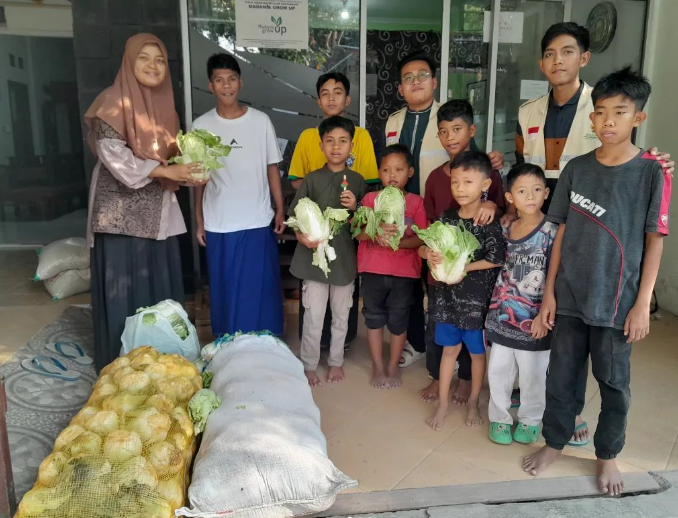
(520, 341)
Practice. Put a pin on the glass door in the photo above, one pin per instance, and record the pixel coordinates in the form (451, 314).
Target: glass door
(469, 60)
(521, 26)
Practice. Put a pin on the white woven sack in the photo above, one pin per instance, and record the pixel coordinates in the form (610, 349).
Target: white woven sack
(68, 283)
(262, 454)
(62, 255)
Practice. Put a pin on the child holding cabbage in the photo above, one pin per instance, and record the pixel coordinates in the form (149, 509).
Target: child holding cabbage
(333, 186)
(460, 301)
(388, 261)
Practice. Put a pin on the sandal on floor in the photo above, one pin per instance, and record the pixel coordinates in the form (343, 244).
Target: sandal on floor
(409, 355)
(526, 434)
(579, 444)
(49, 367)
(500, 433)
(70, 350)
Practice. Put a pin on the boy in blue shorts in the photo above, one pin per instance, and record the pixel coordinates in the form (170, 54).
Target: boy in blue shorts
(459, 310)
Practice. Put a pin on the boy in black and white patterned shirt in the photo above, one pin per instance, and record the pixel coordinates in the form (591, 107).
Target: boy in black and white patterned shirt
(459, 310)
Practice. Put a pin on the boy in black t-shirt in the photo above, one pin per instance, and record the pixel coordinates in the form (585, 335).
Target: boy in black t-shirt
(459, 310)
(613, 202)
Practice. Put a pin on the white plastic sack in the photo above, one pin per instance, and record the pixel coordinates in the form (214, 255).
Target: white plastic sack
(70, 282)
(157, 331)
(262, 454)
(62, 255)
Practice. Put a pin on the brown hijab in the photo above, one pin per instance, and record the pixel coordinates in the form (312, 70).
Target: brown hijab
(144, 116)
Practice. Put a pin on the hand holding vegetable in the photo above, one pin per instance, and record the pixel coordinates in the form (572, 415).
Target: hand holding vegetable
(348, 200)
(180, 173)
(454, 246)
(305, 240)
(388, 231)
(432, 257)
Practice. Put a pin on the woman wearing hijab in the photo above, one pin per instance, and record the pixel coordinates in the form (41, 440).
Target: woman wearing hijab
(134, 216)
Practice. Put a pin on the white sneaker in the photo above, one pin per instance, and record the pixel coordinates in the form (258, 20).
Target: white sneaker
(410, 355)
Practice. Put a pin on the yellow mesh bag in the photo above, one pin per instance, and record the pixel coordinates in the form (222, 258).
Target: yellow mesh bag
(128, 451)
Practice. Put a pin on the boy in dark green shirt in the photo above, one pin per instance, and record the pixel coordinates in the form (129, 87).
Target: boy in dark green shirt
(338, 187)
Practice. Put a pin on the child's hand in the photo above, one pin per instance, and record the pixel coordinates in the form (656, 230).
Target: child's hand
(348, 200)
(389, 230)
(637, 324)
(547, 315)
(539, 330)
(303, 239)
(508, 218)
(433, 257)
(485, 213)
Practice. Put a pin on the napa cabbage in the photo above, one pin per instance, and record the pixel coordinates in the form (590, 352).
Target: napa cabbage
(389, 207)
(203, 147)
(455, 244)
(318, 227)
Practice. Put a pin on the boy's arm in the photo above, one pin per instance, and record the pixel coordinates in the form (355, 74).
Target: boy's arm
(366, 160)
(483, 264)
(421, 221)
(275, 185)
(520, 145)
(298, 171)
(548, 305)
(637, 324)
(199, 218)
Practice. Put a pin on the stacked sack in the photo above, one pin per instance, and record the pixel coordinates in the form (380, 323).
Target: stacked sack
(64, 267)
(128, 451)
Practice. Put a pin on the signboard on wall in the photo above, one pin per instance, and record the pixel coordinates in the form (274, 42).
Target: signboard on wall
(277, 24)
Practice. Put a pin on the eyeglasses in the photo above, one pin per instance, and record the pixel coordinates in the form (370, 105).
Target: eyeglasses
(421, 76)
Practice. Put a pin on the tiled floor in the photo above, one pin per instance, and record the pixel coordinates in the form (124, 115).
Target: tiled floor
(380, 437)
(25, 306)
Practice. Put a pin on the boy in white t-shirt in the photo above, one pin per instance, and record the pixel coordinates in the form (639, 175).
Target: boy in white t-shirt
(234, 212)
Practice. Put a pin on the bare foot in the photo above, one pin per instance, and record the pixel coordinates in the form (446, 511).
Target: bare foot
(335, 375)
(430, 393)
(462, 393)
(313, 378)
(473, 416)
(538, 462)
(378, 377)
(609, 478)
(436, 420)
(393, 380)
(582, 434)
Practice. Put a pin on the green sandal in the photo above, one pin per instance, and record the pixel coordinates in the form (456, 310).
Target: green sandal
(526, 434)
(579, 444)
(500, 433)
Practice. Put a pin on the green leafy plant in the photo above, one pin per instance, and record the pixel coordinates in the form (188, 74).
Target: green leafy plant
(389, 207)
(455, 244)
(203, 147)
(318, 227)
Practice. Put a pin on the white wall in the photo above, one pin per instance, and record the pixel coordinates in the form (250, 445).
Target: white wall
(661, 68)
(625, 48)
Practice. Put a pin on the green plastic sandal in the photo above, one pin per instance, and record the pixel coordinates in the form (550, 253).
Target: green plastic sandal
(526, 434)
(500, 433)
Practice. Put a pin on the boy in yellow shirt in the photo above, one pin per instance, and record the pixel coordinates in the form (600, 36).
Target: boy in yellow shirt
(333, 98)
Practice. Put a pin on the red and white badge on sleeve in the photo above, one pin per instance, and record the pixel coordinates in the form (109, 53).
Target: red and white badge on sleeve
(532, 132)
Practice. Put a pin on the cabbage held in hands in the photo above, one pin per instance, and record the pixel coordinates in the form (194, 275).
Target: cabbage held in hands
(455, 244)
(318, 227)
(203, 147)
(389, 207)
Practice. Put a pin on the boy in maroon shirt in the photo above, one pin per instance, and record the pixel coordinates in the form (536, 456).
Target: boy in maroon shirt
(455, 131)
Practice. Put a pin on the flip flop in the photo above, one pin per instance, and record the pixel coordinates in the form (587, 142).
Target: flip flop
(50, 367)
(579, 444)
(410, 356)
(70, 350)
